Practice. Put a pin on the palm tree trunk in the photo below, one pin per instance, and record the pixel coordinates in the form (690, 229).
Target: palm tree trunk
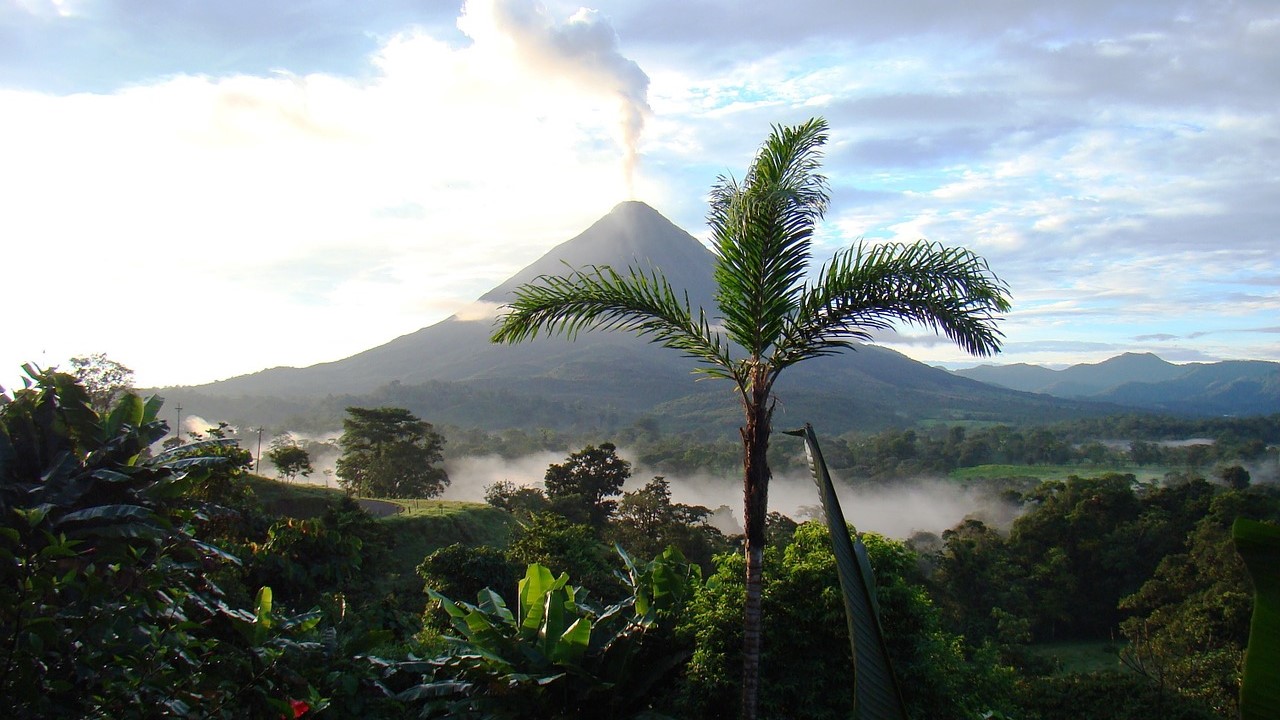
(755, 446)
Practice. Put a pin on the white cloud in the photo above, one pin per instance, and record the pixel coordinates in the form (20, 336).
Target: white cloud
(263, 202)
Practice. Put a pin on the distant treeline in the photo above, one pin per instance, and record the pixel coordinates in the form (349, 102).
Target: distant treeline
(1123, 440)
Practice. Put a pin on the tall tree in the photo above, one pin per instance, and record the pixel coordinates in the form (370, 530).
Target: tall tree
(579, 487)
(290, 459)
(389, 452)
(103, 378)
(762, 229)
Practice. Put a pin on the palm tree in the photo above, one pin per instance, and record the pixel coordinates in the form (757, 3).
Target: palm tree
(770, 318)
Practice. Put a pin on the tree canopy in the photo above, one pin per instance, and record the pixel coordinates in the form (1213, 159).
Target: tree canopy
(581, 486)
(290, 459)
(103, 378)
(389, 452)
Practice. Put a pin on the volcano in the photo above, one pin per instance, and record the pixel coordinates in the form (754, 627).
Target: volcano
(450, 372)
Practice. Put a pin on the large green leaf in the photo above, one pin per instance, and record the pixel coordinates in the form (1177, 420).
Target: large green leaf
(555, 620)
(876, 695)
(573, 643)
(533, 590)
(491, 603)
(1259, 545)
(128, 411)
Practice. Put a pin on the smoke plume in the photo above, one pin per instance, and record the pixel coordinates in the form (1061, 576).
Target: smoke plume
(582, 50)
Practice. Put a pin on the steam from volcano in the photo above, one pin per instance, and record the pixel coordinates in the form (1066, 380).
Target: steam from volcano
(582, 50)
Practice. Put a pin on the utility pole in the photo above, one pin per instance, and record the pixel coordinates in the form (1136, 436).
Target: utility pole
(257, 463)
(177, 429)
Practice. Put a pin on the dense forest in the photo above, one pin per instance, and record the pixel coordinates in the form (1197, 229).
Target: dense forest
(142, 581)
(1157, 444)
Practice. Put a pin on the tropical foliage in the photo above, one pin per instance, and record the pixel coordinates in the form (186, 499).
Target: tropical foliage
(128, 588)
(105, 609)
(809, 674)
(555, 654)
(876, 695)
(572, 524)
(104, 379)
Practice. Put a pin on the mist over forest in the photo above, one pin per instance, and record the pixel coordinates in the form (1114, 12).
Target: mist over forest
(900, 506)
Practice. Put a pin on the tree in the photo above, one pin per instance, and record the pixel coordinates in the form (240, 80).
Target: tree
(579, 487)
(1259, 546)
(1235, 477)
(647, 522)
(761, 230)
(807, 676)
(1191, 621)
(552, 540)
(103, 378)
(1084, 549)
(290, 459)
(389, 452)
(520, 500)
(977, 577)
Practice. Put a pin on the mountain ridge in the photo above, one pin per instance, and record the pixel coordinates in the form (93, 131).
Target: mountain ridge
(1146, 381)
(610, 374)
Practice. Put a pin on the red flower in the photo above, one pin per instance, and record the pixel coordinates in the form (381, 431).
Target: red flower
(299, 707)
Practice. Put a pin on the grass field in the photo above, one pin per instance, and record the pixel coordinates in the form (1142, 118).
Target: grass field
(1053, 472)
(1081, 657)
(300, 500)
(434, 524)
(421, 527)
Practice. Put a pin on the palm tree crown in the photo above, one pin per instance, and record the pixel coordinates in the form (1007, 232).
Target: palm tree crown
(762, 229)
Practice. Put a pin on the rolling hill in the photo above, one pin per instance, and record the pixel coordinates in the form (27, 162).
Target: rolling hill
(1143, 380)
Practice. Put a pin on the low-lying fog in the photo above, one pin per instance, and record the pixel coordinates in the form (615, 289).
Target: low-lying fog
(897, 510)
(908, 506)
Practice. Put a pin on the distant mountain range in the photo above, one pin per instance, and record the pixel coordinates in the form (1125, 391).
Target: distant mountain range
(1143, 380)
(449, 373)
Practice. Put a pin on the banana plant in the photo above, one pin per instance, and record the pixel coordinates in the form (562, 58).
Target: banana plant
(876, 695)
(556, 654)
(1259, 544)
(547, 634)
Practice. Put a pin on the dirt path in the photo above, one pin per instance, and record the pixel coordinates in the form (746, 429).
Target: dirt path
(380, 508)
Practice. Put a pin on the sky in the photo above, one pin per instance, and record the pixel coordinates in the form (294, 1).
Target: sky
(206, 189)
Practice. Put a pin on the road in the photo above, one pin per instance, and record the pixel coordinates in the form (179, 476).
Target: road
(380, 508)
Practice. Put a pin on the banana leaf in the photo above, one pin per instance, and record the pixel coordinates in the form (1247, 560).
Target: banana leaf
(876, 695)
(1259, 545)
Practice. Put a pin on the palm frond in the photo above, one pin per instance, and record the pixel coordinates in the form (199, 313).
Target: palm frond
(600, 298)
(868, 288)
(1259, 545)
(761, 232)
(876, 693)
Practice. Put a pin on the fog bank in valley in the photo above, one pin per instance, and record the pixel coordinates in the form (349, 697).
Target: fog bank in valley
(898, 510)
